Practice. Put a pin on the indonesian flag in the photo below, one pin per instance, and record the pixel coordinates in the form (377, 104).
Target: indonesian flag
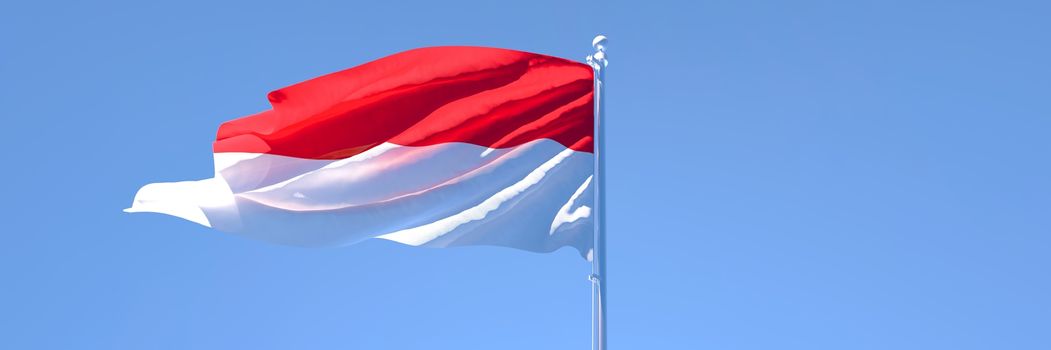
(438, 147)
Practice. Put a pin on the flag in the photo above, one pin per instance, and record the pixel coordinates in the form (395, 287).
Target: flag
(437, 147)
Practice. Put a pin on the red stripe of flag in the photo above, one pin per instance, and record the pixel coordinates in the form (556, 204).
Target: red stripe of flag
(485, 96)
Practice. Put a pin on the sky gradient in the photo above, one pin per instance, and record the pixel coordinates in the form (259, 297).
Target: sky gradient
(813, 175)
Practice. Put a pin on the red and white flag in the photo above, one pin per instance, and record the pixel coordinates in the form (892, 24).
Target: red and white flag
(440, 146)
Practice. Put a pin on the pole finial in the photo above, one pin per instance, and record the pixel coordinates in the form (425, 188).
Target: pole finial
(598, 60)
(599, 42)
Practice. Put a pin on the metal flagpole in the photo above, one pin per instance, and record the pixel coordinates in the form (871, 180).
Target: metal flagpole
(598, 62)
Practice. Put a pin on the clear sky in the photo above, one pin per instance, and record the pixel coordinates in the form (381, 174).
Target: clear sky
(783, 175)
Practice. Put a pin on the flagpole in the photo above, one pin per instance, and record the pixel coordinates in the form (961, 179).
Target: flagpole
(598, 62)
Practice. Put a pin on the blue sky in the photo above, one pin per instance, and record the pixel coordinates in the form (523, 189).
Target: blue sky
(804, 175)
